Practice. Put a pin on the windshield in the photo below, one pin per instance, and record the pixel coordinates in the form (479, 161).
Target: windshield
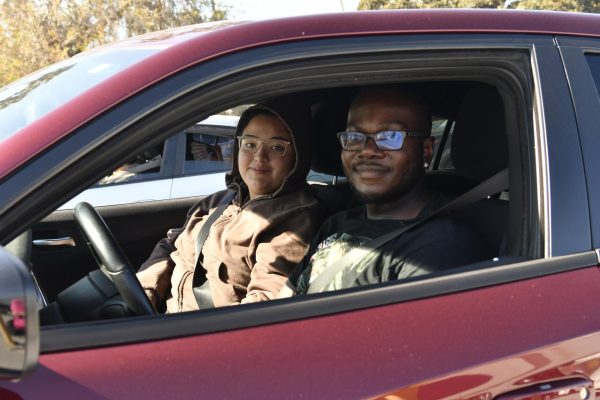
(29, 98)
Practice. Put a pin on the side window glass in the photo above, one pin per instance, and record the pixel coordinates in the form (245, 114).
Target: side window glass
(441, 131)
(210, 144)
(594, 64)
(144, 166)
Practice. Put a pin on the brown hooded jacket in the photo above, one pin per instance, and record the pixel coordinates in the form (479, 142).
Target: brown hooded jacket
(254, 245)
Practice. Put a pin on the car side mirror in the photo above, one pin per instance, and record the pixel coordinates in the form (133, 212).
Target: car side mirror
(19, 321)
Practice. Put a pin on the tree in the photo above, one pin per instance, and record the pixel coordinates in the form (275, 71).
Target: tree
(36, 33)
(393, 4)
(592, 6)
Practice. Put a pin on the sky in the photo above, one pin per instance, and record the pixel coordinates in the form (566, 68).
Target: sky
(262, 9)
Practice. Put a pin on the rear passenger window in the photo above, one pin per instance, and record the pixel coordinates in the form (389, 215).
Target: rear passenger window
(441, 131)
(210, 144)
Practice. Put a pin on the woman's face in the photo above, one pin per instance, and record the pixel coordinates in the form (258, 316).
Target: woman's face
(260, 162)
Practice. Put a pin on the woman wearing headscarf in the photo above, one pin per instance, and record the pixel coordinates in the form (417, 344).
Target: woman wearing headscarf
(264, 231)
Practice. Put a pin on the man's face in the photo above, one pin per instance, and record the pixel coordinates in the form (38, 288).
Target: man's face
(379, 176)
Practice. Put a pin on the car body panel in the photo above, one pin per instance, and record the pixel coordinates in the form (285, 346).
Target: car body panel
(524, 330)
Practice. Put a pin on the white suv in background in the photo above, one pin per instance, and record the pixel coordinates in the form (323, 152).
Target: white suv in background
(190, 163)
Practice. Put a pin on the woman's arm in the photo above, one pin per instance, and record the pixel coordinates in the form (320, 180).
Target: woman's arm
(280, 250)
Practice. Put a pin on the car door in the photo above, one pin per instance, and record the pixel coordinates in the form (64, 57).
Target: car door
(527, 321)
(203, 170)
(60, 255)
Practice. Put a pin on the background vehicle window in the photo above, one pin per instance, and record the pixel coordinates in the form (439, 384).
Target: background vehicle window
(145, 165)
(594, 64)
(441, 145)
(209, 145)
(207, 153)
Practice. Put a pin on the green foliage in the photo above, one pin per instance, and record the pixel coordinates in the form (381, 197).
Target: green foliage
(393, 4)
(36, 33)
(591, 6)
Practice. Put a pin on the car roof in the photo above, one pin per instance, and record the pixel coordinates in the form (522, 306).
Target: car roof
(180, 48)
(216, 125)
(220, 120)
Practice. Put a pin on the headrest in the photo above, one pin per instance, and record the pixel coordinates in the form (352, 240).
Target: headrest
(479, 144)
(329, 119)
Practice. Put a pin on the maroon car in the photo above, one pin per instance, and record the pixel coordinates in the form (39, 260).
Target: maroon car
(510, 91)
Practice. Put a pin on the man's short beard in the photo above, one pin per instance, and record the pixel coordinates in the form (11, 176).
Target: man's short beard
(407, 184)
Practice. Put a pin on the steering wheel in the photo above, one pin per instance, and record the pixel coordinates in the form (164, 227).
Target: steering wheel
(111, 259)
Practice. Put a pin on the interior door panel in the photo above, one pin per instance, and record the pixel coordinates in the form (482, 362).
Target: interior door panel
(59, 245)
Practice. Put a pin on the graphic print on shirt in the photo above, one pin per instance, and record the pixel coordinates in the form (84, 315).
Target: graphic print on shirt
(330, 250)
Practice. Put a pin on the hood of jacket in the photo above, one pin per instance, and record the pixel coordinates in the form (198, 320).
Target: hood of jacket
(296, 118)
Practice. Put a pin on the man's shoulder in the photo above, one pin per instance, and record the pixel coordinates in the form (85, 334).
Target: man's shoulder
(345, 218)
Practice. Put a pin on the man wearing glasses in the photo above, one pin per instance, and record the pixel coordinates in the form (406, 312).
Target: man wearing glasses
(386, 148)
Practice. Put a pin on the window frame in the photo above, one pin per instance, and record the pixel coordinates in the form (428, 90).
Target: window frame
(217, 85)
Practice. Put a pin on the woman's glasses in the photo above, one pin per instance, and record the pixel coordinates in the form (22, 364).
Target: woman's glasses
(273, 147)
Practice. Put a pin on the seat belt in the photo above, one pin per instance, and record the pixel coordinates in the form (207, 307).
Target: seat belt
(490, 186)
(202, 289)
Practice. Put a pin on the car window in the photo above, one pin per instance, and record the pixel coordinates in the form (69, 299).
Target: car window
(441, 146)
(207, 153)
(39, 93)
(143, 166)
(209, 145)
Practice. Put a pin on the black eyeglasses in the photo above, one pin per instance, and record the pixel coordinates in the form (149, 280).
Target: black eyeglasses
(385, 140)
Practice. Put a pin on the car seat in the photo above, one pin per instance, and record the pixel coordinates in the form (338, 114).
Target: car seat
(329, 117)
(479, 150)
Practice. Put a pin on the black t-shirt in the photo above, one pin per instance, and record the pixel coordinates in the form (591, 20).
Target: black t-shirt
(441, 243)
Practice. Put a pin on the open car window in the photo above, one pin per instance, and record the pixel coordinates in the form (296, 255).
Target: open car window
(209, 145)
(184, 127)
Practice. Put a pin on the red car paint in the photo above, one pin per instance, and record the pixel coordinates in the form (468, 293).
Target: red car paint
(528, 327)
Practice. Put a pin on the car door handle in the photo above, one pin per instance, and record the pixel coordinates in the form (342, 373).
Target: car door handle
(566, 389)
(64, 241)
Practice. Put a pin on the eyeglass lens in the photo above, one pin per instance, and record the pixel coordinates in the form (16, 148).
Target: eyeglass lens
(386, 140)
(273, 147)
